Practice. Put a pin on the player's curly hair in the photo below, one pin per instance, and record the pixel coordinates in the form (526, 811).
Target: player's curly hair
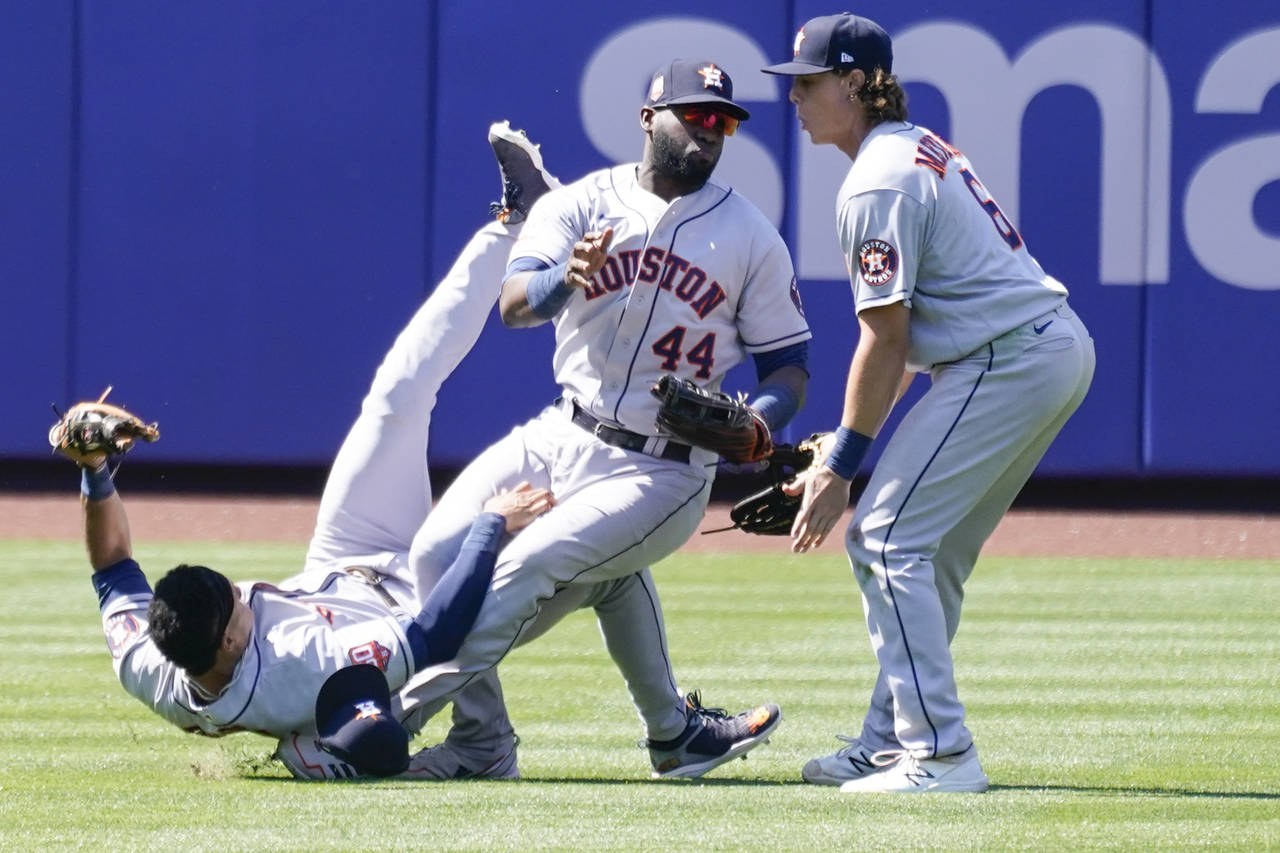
(883, 97)
(188, 615)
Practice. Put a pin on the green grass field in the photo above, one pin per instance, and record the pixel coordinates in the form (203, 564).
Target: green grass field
(1127, 705)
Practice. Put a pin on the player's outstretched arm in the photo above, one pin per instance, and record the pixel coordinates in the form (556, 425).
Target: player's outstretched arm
(450, 611)
(106, 527)
(89, 433)
(531, 297)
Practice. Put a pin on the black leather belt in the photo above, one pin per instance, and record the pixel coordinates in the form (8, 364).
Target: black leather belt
(625, 438)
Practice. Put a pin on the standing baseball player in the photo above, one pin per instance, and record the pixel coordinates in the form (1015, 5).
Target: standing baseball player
(647, 270)
(943, 284)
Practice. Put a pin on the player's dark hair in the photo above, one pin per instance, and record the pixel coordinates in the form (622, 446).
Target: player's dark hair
(883, 97)
(189, 613)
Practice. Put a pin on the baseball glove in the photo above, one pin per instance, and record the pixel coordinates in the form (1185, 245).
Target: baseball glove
(771, 511)
(711, 420)
(98, 427)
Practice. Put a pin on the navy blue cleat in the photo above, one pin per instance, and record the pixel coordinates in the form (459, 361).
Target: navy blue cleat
(711, 738)
(524, 178)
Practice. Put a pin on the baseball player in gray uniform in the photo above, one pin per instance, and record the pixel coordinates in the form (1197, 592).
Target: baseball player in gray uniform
(216, 657)
(229, 657)
(645, 269)
(943, 284)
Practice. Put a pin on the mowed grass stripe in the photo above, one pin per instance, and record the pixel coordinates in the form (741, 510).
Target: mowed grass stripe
(1118, 704)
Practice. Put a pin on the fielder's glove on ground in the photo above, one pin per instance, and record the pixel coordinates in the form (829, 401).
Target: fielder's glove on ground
(711, 420)
(771, 511)
(98, 428)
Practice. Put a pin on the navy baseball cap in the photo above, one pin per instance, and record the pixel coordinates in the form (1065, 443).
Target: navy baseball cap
(689, 81)
(353, 718)
(838, 43)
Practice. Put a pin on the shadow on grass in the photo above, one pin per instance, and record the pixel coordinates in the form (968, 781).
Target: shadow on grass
(1141, 792)
(773, 783)
(539, 780)
(670, 783)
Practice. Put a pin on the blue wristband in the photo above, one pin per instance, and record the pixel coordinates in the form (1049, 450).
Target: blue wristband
(776, 404)
(848, 452)
(96, 485)
(547, 291)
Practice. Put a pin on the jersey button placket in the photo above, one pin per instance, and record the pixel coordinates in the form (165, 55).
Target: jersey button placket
(629, 335)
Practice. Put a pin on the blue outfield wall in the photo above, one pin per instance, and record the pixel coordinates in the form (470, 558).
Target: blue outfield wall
(234, 206)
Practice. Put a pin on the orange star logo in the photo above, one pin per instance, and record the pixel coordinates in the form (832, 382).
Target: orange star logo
(712, 77)
(758, 719)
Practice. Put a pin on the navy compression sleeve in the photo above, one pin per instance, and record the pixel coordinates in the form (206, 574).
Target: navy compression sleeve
(122, 578)
(437, 632)
(768, 362)
(778, 403)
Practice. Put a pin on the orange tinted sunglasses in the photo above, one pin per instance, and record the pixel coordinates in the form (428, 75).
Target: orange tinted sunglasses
(707, 115)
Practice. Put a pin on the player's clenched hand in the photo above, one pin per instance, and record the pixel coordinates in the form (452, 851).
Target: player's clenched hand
(521, 505)
(588, 257)
(92, 460)
(825, 498)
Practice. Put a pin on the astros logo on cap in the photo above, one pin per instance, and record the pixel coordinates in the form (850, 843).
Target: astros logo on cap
(712, 77)
(367, 710)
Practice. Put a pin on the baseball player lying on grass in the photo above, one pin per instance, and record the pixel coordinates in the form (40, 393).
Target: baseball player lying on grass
(292, 661)
(216, 657)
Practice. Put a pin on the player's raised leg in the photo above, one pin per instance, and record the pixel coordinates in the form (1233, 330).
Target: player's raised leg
(524, 177)
(378, 492)
(482, 742)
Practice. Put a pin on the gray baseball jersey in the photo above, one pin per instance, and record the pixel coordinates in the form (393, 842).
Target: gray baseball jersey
(690, 287)
(375, 500)
(1008, 361)
(301, 634)
(917, 226)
